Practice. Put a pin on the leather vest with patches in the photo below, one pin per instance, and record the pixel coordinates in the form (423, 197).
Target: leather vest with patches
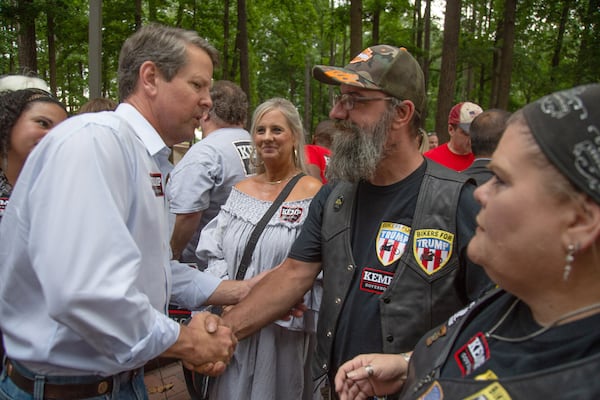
(573, 380)
(415, 301)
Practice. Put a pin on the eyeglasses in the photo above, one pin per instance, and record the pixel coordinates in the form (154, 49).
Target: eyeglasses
(348, 100)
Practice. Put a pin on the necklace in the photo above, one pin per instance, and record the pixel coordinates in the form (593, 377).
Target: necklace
(491, 334)
(281, 180)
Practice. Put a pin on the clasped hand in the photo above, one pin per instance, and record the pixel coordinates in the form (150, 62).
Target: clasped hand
(213, 344)
(370, 375)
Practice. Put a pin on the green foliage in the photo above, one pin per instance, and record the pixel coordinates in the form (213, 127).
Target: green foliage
(286, 38)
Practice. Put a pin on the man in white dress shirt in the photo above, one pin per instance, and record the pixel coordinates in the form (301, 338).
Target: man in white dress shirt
(85, 267)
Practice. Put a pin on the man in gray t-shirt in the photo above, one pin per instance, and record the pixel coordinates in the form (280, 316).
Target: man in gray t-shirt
(201, 182)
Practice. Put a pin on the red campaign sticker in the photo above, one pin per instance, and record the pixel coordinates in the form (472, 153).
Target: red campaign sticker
(473, 354)
(157, 186)
(3, 204)
(291, 214)
(375, 281)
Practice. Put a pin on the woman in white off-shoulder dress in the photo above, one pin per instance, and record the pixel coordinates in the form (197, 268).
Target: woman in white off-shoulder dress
(274, 363)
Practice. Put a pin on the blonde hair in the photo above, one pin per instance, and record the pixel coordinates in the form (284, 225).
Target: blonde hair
(290, 113)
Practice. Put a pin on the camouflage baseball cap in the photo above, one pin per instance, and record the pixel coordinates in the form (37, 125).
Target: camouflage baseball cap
(387, 68)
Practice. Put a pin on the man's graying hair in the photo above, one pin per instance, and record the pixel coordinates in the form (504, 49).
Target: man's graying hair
(230, 103)
(163, 45)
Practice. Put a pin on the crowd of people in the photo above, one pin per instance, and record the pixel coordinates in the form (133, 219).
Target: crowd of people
(373, 261)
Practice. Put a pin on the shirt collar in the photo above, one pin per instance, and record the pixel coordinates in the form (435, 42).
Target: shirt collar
(143, 130)
(154, 144)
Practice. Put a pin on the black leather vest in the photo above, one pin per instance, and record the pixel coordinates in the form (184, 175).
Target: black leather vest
(573, 380)
(415, 301)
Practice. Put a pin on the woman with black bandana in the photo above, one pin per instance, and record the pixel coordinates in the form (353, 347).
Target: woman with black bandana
(538, 238)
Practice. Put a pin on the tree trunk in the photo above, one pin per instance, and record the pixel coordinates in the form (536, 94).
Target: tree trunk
(506, 61)
(138, 14)
(307, 93)
(418, 25)
(376, 22)
(152, 10)
(496, 61)
(242, 47)
(179, 18)
(426, 57)
(51, 48)
(26, 39)
(448, 68)
(559, 40)
(356, 45)
(467, 67)
(584, 62)
(226, 35)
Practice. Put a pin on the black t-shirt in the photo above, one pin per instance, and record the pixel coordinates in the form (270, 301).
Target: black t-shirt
(474, 355)
(381, 212)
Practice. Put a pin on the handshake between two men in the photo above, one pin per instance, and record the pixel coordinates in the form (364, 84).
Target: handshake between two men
(206, 344)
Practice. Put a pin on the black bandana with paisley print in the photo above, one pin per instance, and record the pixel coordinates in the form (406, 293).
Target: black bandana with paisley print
(566, 126)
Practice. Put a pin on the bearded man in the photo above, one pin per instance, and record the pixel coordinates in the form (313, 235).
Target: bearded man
(388, 231)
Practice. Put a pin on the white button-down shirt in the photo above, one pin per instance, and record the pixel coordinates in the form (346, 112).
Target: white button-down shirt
(85, 270)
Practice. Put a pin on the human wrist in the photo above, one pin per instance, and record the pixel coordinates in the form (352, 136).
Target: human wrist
(182, 346)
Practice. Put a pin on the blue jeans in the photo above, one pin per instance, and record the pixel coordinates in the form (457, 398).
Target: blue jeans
(123, 387)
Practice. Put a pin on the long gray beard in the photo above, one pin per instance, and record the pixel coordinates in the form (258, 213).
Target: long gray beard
(356, 152)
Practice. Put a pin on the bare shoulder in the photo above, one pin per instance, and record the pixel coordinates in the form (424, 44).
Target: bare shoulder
(307, 187)
(247, 185)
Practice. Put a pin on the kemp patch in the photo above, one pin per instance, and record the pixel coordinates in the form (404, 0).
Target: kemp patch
(291, 214)
(391, 242)
(495, 391)
(473, 354)
(157, 185)
(432, 249)
(375, 281)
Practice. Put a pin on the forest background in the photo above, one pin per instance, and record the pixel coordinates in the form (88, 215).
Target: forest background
(497, 53)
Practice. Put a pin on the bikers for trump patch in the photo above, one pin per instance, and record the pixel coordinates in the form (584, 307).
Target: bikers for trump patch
(432, 249)
(391, 241)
